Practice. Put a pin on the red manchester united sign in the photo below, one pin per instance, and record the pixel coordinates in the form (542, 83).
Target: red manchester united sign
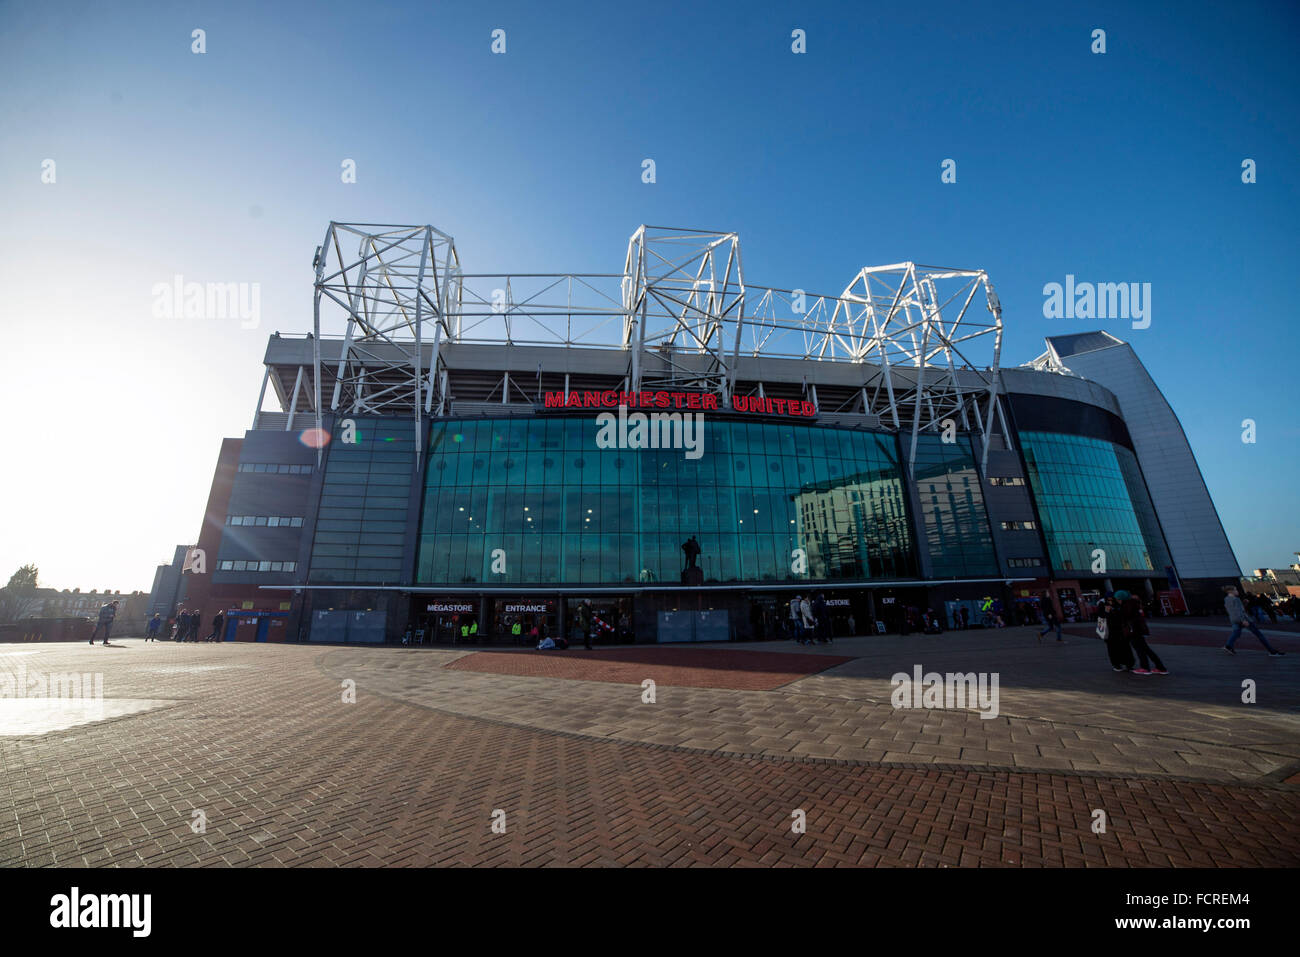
(688, 401)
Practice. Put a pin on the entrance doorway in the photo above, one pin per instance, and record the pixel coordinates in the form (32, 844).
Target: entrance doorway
(611, 619)
(450, 621)
(255, 625)
(524, 621)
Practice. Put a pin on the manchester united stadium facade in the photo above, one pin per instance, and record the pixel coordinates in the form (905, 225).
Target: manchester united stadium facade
(464, 455)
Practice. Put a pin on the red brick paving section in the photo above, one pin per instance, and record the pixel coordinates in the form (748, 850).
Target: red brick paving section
(683, 667)
(288, 775)
(391, 784)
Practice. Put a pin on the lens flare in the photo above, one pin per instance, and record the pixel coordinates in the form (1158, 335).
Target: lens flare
(314, 438)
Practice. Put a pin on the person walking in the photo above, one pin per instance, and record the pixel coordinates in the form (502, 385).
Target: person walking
(106, 615)
(809, 622)
(1136, 631)
(1257, 608)
(155, 623)
(853, 626)
(218, 622)
(584, 622)
(1118, 649)
(821, 615)
(1050, 620)
(1237, 615)
(796, 618)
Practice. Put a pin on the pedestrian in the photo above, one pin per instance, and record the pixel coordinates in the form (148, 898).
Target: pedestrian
(823, 619)
(155, 623)
(853, 626)
(1136, 631)
(796, 618)
(1261, 608)
(1050, 620)
(106, 615)
(584, 622)
(1237, 615)
(809, 622)
(217, 623)
(1118, 649)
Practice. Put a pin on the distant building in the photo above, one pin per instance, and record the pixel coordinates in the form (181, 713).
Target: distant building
(1274, 581)
(53, 603)
(168, 585)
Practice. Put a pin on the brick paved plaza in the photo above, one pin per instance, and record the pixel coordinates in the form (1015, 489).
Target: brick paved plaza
(258, 739)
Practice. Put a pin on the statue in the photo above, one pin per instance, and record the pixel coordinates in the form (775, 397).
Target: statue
(692, 574)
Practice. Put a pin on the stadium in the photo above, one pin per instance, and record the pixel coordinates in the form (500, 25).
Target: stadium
(455, 455)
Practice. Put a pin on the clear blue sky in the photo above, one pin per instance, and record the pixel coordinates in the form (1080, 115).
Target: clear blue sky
(225, 167)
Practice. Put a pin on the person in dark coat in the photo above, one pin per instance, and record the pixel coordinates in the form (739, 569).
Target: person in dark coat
(1050, 621)
(106, 615)
(1117, 645)
(1135, 629)
(584, 622)
(218, 623)
(823, 619)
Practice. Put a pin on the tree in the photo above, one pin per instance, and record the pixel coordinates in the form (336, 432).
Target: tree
(17, 598)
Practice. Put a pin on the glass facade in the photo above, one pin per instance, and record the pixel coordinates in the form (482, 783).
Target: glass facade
(361, 525)
(1090, 495)
(561, 509)
(952, 511)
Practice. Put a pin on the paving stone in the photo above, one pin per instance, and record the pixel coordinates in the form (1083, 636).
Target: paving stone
(257, 737)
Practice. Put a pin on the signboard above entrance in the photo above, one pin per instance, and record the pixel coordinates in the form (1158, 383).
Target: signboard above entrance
(451, 607)
(677, 401)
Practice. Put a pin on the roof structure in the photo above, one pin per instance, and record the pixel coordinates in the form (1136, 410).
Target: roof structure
(926, 340)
